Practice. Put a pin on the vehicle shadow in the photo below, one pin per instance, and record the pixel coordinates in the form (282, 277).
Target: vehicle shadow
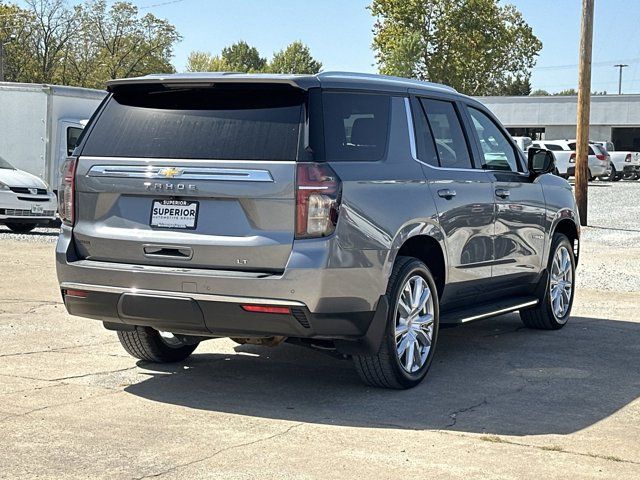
(493, 376)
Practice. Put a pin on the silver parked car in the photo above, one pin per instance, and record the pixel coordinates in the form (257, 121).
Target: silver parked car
(352, 212)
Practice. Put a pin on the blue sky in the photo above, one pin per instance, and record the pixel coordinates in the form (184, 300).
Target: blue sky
(339, 34)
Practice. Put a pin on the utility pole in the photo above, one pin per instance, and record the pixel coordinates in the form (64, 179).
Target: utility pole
(584, 105)
(620, 66)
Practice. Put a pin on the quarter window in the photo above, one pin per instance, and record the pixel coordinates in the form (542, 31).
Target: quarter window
(356, 126)
(497, 151)
(73, 134)
(448, 136)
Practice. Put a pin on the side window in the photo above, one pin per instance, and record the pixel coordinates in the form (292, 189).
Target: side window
(73, 134)
(425, 146)
(356, 125)
(497, 151)
(450, 142)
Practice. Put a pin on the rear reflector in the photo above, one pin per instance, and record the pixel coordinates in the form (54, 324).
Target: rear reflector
(266, 309)
(75, 293)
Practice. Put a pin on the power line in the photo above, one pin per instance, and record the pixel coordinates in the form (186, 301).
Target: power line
(594, 64)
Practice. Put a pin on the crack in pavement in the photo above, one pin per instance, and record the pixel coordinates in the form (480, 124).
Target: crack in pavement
(70, 377)
(64, 404)
(54, 350)
(222, 450)
(454, 415)
(538, 447)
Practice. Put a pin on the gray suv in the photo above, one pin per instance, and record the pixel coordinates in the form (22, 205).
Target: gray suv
(346, 212)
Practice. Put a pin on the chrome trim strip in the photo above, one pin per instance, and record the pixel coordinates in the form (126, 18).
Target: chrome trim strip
(195, 296)
(180, 173)
(500, 312)
(414, 151)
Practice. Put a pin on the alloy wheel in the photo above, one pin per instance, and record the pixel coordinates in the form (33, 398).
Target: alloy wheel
(414, 324)
(561, 283)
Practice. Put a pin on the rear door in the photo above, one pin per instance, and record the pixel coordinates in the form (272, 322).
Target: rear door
(520, 207)
(198, 177)
(462, 194)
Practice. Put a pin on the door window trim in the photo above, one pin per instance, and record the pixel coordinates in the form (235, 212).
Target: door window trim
(522, 165)
(412, 138)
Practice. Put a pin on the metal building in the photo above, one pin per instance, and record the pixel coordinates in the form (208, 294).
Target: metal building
(613, 117)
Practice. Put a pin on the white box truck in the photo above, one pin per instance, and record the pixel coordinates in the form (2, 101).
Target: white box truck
(40, 124)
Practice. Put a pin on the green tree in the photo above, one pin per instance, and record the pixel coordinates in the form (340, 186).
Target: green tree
(115, 42)
(16, 26)
(241, 57)
(516, 87)
(540, 93)
(296, 58)
(205, 62)
(476, 46)
(567, 92)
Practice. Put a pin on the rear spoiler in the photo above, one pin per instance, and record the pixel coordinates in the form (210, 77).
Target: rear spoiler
(211, 79)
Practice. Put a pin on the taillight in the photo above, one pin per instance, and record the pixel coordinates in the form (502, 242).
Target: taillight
(266, 309)
(66, 192)
(572, 159)
(627, 158)
(601, 157)
(317, 200)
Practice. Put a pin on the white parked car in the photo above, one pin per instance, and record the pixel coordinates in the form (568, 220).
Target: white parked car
(25, 200)
(624, 164)
(564, 152)
(523, 143)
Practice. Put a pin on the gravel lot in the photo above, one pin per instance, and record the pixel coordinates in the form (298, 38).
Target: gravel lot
(500, 401)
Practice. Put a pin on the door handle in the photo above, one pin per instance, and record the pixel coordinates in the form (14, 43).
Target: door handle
(502, 193)
(447, 193)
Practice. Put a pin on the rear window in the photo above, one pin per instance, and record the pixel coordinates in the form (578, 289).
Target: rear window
(553, 146)
(572, 146)
(355, 125)
(227, 122)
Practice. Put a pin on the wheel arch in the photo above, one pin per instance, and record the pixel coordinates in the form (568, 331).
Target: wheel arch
(569, 228)
(426, 243)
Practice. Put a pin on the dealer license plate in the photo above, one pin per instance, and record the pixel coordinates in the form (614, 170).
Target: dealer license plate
(178, 214)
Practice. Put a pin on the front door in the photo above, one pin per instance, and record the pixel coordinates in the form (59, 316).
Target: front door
(520, 207)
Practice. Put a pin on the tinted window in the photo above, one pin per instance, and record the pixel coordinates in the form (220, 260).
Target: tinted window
(73, 134)
(448, 135)
(572, 146)
(497, 151)
(425, 146)
(553, 147)
(356, 126)
(230, 122)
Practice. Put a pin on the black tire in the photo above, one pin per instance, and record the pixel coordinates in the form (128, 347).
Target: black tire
(147, 344)
(383, 369)
(21, 227)
(613, 175)
(542, 316)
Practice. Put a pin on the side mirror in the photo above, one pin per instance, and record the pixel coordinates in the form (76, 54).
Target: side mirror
(540, 161)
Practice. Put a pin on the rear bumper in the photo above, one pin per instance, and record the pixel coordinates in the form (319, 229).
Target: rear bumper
(216, 316)
(325, 302)
(631, 169)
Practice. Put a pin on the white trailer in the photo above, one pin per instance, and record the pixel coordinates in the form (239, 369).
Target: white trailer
(40, 124)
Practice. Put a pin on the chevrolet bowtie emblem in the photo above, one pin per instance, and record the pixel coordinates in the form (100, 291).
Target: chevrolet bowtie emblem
(170, 172)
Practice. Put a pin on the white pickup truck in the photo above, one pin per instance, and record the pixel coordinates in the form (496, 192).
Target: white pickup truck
(564, 152)
(624, 164)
